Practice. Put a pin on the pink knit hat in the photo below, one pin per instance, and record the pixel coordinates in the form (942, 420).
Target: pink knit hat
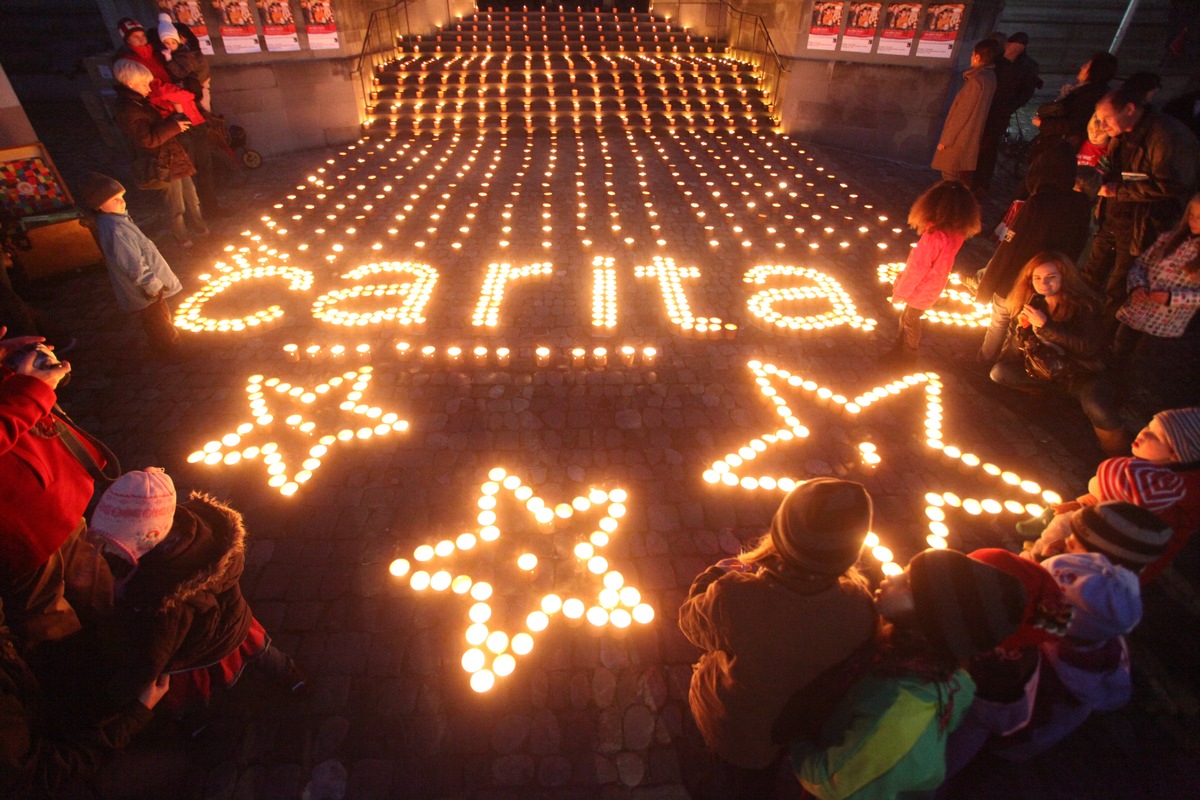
(136, 512)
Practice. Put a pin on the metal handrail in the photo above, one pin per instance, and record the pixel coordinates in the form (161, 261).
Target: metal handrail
(379, 43)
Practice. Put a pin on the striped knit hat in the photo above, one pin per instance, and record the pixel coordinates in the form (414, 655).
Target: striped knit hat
(1047, 612)
(820, 526)
(965, 605)
(1182, 427)
(1130, 536)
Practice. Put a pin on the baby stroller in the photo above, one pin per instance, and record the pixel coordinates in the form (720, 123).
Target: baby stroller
(232, 138)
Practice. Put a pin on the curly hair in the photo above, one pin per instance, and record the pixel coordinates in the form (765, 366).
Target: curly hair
(947, 206)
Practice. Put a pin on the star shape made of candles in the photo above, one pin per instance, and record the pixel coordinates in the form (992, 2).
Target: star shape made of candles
(584, 585)
(255, 439)
(785, 388)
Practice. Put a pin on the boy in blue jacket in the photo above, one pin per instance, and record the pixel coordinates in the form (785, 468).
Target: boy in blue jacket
(141, 277)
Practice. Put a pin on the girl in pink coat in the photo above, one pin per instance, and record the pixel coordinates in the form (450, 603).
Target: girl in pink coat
(945, 215)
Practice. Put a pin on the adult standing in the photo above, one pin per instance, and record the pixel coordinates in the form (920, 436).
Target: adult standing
(1055, 217)
(1152, 172)
(958, 146)
(44, 490)
(160, 162)
(1158, 341)
(1067, 117)
(1016, 81)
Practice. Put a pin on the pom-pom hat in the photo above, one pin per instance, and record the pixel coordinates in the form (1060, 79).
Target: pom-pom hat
(821, 525)
(129, 25)
(1107, 598)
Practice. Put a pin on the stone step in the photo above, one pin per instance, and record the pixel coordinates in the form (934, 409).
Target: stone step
(580, 107)
(566, 91)
(445, 70)
(526, 46)
(569, 121)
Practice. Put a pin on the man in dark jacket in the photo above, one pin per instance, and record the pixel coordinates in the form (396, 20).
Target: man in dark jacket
(1016, 81)
(1152, 175)
(1055, 217)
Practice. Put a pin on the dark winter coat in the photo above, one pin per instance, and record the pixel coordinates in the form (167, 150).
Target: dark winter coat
(182, 608)
(1055, 217)
(154, 138)
(39, 755)
(1068, 117)
(1081, 337)
(1168, 154)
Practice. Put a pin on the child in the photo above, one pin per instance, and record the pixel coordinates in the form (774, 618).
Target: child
(141, 277)
(770, 621)
(1006, 677)
(1128, 536)
(185, 62)
(887, 736)
(944, 216)
(1088, 669)
(178, 607)
(1162, 476)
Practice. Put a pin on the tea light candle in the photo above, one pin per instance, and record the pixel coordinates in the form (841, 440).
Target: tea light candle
(542, 356)
(578, 355)
(600, 356)
(503, 356)
(649, 355)
(291, 352)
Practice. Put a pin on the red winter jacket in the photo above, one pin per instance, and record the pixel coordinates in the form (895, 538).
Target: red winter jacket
(43, 488)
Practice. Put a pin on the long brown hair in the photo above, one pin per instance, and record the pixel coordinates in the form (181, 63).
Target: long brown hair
(1075, 293)
(765, 554)
(947, 206)
(1180, 235)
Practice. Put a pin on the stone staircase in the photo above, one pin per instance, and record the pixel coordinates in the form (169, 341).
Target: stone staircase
(565, 70)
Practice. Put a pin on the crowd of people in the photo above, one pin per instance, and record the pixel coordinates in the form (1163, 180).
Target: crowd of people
(889, 695)
(102, 619)
(1095, 281)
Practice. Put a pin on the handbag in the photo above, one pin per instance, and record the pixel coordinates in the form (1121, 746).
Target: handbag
(149, 172)
(1044, 361)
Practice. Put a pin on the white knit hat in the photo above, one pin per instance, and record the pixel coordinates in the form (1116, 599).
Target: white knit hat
(136, 513)
(1107, 598)
(167, 29)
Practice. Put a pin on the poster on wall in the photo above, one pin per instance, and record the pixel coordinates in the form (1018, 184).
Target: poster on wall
(279, 27)
(826, 23)
(188, 13)
(899, 29)
(861, 24)
(319, 24)
(237, 27)
(940, 30)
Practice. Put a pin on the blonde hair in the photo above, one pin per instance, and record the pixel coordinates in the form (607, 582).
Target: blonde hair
(947, 206)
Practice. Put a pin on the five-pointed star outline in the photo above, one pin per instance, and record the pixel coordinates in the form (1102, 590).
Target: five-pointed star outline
(492, 651)
(233, 447)
(1023, 494)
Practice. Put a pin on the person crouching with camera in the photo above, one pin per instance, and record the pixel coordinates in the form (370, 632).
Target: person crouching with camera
(141, 277)
(45, 486)
(1056, 342)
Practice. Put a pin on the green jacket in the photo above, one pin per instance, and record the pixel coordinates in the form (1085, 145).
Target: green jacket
(885, 739)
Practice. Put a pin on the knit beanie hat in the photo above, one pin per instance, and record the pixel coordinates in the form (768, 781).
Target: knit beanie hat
(95, 189)
(965, 605)
(820, 526)
(1182, 427)
(136, 512)
(1047, 612)
(167, 29)
(127, 26)
(1129, 535)
(1107, 598)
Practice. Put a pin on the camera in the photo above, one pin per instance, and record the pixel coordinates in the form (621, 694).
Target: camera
(44, 358)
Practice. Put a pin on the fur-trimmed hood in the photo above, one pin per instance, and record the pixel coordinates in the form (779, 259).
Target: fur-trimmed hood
(206, 559)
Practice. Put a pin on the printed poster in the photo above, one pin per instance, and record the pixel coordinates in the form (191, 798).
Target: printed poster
(29, 187)
(899, 29)
(188, 13)
(237, 27)
(861, 25)
(279, 28)
(319, 24)
(940, 31)
(826, 23)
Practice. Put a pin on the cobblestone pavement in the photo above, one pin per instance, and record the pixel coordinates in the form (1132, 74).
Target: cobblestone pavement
(591, 711)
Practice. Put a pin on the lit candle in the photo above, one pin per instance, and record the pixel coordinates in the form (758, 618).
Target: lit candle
(649, 355)
(542, 354)
(291, 352)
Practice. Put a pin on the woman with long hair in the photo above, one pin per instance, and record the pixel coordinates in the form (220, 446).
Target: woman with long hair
(1158, 342)
(772, 620)
(1056, 341)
